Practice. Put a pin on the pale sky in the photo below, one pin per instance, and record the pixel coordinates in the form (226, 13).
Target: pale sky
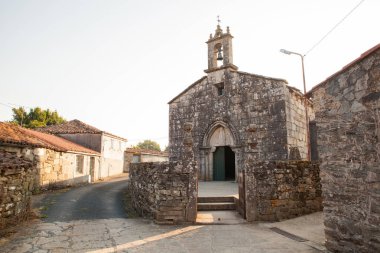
(116, 64)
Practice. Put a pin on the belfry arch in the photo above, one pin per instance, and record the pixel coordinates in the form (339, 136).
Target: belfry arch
(220, 148)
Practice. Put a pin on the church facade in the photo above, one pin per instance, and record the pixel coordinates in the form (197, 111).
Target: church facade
(231, 119)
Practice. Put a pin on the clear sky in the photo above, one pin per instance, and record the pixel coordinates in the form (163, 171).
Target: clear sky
(115, 64)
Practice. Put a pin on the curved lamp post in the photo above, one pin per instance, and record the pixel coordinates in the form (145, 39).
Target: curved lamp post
(305, 99)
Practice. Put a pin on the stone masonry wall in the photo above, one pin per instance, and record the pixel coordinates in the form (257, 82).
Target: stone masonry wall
(55, 169)
(59, 168)
(17, 180)
(347, 109)
(128, 158)
(165, 191)
(296, 121)
(277, 190)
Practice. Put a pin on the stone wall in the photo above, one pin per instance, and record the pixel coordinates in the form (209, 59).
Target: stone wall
(277, 190)
(165, 191)
(60, 168)
(56, 169)
(296, 120)
(132, 155)
(347, 109)
(128, 158)
(17, 180)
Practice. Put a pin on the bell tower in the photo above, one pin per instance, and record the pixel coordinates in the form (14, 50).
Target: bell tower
(220, 50)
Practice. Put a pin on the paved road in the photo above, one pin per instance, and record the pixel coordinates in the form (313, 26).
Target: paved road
(97, 201)
(91, 219)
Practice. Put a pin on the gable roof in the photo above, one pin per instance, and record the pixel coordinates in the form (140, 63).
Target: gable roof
(239, 72)
(75, 127)
(188, 88)
(16, 135)
(345, 68)
(70, 127)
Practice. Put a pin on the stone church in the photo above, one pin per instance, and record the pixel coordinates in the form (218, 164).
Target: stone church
(231, 118)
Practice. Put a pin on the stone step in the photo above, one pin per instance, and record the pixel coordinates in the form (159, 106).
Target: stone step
(216, 206)
(226, 199)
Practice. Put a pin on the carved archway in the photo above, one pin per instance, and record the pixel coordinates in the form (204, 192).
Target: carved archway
(218, 134)
(214, 126)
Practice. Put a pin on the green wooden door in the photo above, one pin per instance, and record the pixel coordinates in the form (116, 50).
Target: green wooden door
(219, 164)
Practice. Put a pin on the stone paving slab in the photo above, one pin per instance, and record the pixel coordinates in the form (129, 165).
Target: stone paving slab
(141, 235)
(218, 189)
(219, 217)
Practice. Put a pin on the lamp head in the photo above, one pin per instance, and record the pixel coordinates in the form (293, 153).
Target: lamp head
(285, 51)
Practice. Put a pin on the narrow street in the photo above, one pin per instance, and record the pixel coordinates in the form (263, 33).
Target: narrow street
(92, 219)
(102, 200)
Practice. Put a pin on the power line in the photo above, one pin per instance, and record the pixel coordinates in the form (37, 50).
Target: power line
(6, 105)
(332, 29)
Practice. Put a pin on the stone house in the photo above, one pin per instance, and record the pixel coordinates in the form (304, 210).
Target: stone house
(110, 146)
(137, 155)
(229, 117)
(58, 161)
(347, 115)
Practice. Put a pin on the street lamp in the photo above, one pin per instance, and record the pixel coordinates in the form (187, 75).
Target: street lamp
(305, 99)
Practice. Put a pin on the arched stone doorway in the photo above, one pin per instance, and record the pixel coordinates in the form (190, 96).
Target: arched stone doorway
(219, 153)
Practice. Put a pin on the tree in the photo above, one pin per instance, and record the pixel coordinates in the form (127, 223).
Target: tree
(36, 117)
(149, 144)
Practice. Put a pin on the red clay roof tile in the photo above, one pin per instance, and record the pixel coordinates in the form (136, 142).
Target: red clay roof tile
(75, 127)
(14, 134)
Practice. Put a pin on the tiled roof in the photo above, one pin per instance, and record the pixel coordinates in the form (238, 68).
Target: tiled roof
(146, 151)
(9, 160)
(70, 127)
(75, 127)
(14, 134)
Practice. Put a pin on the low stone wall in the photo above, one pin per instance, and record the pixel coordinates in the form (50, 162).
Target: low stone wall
(17, 180)
(277, 190)
(165, 191)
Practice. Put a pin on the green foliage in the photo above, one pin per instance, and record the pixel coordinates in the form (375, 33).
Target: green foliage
(36, 117)
(149, 144)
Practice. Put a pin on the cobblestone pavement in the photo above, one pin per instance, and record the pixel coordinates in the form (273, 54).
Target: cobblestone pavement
(140, 235)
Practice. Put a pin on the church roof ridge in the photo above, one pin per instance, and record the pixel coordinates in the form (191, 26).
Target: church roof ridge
(188, 88)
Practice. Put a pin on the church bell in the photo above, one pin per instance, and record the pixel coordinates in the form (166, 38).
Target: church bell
(220, 56)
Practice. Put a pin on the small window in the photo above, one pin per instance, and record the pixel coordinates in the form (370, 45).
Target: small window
(220, 88)
(80, 163)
